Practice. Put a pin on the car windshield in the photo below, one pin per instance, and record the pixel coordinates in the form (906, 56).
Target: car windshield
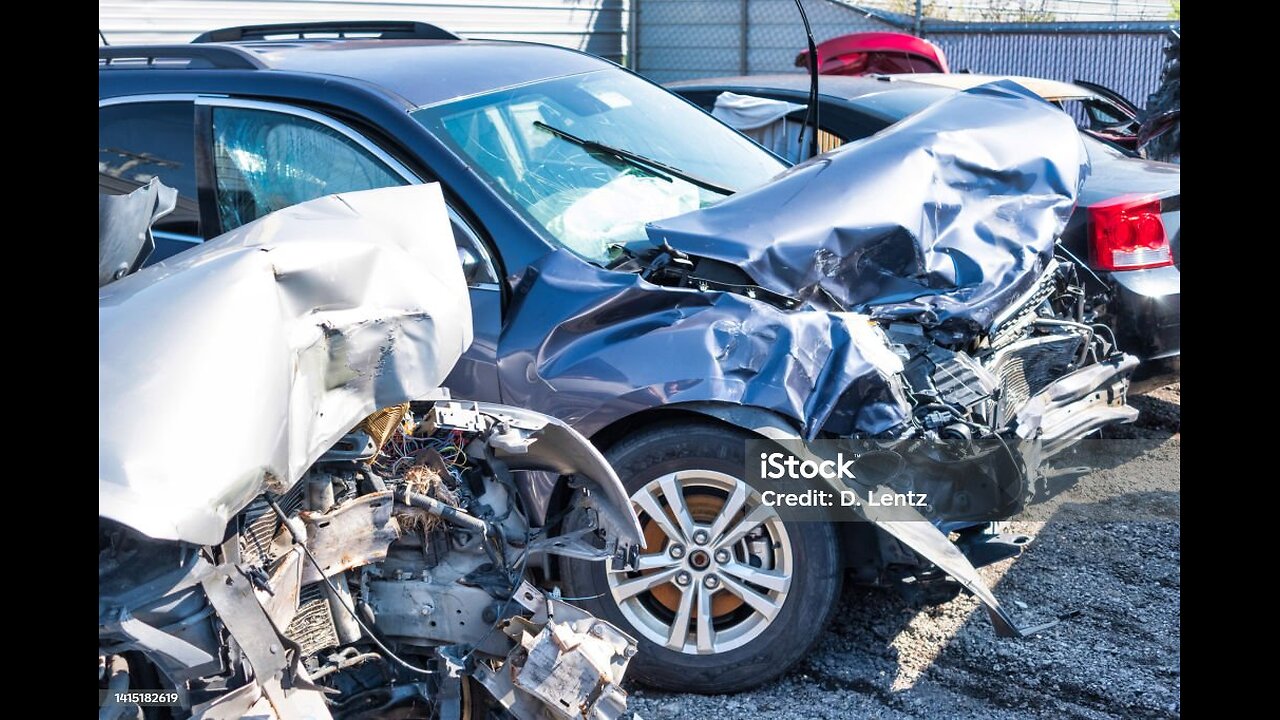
(590, 159)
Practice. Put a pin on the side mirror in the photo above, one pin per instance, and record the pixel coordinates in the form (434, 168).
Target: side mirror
(470, 264)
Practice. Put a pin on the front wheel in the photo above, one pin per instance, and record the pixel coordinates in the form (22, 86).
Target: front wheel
(727, 595)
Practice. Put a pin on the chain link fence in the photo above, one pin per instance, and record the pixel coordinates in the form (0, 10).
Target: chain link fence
(684, 39)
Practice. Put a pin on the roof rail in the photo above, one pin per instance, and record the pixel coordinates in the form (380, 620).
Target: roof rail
(225, 57)
(385, 30)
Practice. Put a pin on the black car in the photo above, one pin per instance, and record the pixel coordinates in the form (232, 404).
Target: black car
(670, 289)
(1126, 228)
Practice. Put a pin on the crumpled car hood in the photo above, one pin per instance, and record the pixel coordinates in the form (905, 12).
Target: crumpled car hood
(240, 362)
(623, 342)
(944, 218)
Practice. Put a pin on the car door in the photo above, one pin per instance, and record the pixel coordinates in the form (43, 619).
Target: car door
(138, 141)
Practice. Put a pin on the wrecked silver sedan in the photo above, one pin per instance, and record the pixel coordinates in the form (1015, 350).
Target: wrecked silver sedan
(295, 521)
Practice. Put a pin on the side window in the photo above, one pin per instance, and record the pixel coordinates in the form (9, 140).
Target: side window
(140, 141)
(265, 161)
(1103, 114)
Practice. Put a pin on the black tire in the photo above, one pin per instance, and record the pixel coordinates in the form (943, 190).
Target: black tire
(807, 605)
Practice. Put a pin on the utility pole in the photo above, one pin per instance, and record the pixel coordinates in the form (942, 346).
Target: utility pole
(919, 16)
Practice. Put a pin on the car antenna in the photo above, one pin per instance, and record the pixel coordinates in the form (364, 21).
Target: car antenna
(811, 115)
(103, 37)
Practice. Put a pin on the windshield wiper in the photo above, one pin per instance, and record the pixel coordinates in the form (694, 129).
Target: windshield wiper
(637, 161)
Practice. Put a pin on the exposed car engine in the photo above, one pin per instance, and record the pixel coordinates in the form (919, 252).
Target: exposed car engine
(998, 384)
(989, 414)
(980, 385)
(392, 569)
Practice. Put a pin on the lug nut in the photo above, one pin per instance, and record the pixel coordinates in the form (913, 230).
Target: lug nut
(676, 551)
(682, 578)
(711, 582)
(722, 556)
(701, 537)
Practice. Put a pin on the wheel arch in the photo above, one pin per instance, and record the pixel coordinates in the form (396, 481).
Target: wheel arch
(859, 544)
(743, 417)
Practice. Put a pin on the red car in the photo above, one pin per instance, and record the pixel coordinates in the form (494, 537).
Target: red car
(876, 52)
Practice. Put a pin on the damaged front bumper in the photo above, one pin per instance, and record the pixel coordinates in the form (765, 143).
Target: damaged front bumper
(907, 525)
(1078, 404)
(971, 484)
(563, 660)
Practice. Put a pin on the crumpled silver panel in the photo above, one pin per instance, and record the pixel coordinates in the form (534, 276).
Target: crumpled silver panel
(124, 228)
(236, 364)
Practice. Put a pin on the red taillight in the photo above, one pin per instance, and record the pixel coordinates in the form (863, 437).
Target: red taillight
(1126, 233)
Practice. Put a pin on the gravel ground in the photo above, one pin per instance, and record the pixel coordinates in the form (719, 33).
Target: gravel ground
(890, 657)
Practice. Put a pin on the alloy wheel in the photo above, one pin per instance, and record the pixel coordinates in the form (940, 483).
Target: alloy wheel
(717, 566)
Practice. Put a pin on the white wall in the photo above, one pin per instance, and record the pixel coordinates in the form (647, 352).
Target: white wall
(592, 25)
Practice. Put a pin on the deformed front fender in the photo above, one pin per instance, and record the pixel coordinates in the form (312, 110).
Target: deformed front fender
(751, 419)
(543, 443)
(591, 346)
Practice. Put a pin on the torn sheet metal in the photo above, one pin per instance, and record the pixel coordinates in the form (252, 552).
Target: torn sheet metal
(294, 327)
(944, 218)
(356, 534)
(624, 345)
(537, 442)
(124, 228)
(564, 663)
(575, 668)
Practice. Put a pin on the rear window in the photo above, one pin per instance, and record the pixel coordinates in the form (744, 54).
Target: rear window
(897, 103)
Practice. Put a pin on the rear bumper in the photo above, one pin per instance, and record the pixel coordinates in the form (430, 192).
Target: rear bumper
(1145, 312)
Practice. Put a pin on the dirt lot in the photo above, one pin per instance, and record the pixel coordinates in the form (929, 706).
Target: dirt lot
(889, 657)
